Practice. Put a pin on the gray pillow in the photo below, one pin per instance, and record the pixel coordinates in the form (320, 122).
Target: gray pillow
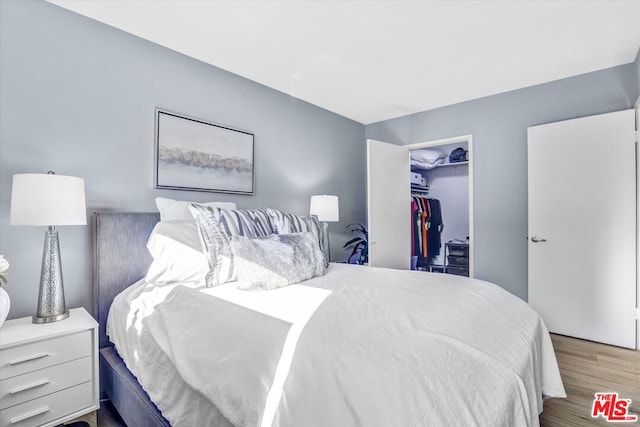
(285, 223)
(277, 260)
(216, 227)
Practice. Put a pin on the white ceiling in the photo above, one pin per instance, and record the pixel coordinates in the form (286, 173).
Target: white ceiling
(375, 60)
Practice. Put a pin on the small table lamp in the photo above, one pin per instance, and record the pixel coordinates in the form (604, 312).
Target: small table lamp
(50, 200)
(327, 209)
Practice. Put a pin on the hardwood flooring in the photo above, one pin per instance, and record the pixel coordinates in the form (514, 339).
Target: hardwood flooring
(588, 368)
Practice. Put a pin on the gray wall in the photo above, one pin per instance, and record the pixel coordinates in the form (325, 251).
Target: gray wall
(78, 97)
(499, 127)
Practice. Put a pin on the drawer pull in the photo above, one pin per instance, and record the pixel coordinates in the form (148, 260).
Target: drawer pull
(29, 386)
(28, 359)
(29, 415)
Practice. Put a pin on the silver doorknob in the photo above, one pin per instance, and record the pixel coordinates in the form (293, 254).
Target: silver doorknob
(537, 239)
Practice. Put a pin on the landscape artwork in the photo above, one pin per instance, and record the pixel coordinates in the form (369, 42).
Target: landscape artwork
(192, 154)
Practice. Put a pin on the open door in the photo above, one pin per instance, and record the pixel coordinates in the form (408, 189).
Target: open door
(388, 205)
(582, 227)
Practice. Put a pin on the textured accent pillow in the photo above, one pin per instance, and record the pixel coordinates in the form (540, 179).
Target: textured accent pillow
(177, 253)
(178, 210)
(286, 223)
(277, 260)
(216, 227)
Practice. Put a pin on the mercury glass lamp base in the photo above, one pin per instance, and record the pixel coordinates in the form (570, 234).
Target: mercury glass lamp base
(51, 304)
(49, 319)
(325, 241)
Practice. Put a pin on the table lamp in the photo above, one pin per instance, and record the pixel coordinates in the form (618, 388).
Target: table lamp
(327, 209)
(49, 200)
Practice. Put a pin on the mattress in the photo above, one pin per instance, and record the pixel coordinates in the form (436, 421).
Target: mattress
(358, 346)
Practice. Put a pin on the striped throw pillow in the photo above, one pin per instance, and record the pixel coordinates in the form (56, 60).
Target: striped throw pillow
(216, 226)
(286, 223)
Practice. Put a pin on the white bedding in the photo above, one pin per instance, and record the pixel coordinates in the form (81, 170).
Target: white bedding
(377, 347)
(179, 403)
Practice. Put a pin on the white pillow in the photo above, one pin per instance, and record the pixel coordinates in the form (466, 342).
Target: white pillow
(428, 155)
(415, 164)
(178, 210)
(177, 253)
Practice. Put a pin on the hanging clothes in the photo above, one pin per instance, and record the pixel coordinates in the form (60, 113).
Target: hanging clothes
(426, 226)
(436, 225)
(417, 226)
(426, 216)
(414, 209)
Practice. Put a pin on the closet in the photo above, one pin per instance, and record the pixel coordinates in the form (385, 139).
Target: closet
(420, 210)
(440, 208)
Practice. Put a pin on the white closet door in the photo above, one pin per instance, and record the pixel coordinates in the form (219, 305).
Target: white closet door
(388, 205)
(582, 227)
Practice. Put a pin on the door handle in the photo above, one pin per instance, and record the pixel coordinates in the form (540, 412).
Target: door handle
(537, 239)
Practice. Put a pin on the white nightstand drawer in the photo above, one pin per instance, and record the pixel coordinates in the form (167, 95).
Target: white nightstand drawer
(30, 357)
(20, 389)
(48, 408)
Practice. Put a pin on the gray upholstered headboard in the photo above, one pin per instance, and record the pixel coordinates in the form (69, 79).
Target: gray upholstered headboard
(120, 257)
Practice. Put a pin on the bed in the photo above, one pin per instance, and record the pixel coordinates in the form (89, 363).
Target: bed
(461, 351)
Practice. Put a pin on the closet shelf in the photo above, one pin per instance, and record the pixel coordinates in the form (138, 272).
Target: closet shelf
(451, 164)
(420, 190)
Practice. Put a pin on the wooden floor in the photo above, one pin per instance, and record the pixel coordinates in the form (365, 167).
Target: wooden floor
(588, 368)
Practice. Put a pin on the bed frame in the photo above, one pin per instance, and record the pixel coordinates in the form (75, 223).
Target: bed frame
(120, 259)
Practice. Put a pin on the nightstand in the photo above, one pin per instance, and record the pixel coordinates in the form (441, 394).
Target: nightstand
(48, 372)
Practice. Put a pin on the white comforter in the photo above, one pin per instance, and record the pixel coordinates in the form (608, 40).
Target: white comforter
(359, 346)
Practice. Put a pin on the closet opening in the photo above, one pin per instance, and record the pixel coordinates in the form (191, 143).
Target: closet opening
(441, 174)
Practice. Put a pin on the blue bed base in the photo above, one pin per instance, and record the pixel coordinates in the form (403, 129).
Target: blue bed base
(120, 259)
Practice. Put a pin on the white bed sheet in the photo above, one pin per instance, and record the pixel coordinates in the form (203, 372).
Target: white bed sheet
(180, 404)
(446, 351)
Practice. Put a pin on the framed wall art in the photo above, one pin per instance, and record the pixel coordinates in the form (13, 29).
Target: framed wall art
(196, 155)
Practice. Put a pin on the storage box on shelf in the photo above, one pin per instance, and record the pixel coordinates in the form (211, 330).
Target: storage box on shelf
(48, 372)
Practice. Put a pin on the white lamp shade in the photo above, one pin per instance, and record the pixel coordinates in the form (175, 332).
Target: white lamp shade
(47, 199)
(325, 207)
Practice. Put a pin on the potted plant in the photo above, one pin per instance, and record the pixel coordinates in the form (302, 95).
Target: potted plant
(359, 245)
